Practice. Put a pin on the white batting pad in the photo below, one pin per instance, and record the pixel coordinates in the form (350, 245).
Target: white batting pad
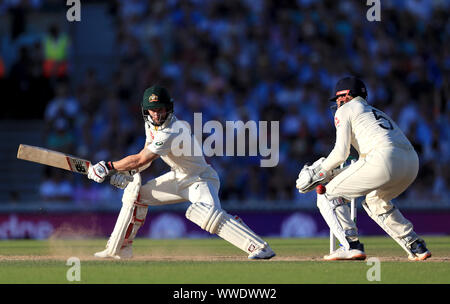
(231, 229)
(328, 210)
(131, 192)
(127, 216)
(118, 235)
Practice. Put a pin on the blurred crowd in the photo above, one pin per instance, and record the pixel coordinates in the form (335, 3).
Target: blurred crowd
(247, 60)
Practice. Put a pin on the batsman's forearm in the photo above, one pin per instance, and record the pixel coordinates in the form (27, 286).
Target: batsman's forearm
(131, 162)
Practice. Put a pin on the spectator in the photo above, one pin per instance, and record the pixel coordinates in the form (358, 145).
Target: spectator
(56, 52)
(60, 137)
(60, 117)
(55, 187)
(63, 105)
(260, 60)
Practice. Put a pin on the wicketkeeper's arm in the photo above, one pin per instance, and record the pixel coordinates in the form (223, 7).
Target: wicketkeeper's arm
(335, 172)
(311, 176)
(342, 146)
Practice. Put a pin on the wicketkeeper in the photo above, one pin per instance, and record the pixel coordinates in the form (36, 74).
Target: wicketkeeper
(190, 179)
(387, 165)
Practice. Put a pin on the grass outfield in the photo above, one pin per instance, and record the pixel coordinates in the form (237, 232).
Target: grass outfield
(213, 261)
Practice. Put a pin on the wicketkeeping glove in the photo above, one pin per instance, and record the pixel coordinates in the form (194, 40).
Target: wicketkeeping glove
(311, 176)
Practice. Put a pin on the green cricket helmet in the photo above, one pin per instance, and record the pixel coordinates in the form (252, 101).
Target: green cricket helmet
(156, 97)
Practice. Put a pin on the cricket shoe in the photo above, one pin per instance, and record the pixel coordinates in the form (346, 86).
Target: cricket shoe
(106, 255)
(125, 252)
(263, 253)
(420, 251)
(341, 254)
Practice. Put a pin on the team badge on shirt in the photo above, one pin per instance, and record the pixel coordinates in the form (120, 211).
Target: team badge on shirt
(336, 122)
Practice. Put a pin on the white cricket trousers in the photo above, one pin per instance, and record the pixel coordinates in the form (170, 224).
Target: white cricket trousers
(382, 175)
(167, 189)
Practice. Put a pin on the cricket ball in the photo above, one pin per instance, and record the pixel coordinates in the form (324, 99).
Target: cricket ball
(320, 189)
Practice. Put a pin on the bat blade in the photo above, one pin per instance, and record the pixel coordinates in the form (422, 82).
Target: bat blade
(53, 158)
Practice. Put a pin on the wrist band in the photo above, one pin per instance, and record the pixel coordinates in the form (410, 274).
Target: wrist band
(110, 165)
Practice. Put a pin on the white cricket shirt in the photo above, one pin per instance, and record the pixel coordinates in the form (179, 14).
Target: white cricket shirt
(164, 141)
(365, 128)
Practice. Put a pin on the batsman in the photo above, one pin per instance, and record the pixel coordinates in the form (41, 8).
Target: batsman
(386, 166)
(190, 179)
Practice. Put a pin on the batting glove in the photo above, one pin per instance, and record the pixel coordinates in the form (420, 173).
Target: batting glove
(121, 180)
(99, 172)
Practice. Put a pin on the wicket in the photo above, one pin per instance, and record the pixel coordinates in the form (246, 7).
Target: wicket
(352, 214)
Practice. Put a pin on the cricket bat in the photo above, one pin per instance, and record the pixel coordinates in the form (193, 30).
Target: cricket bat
(53, 158)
